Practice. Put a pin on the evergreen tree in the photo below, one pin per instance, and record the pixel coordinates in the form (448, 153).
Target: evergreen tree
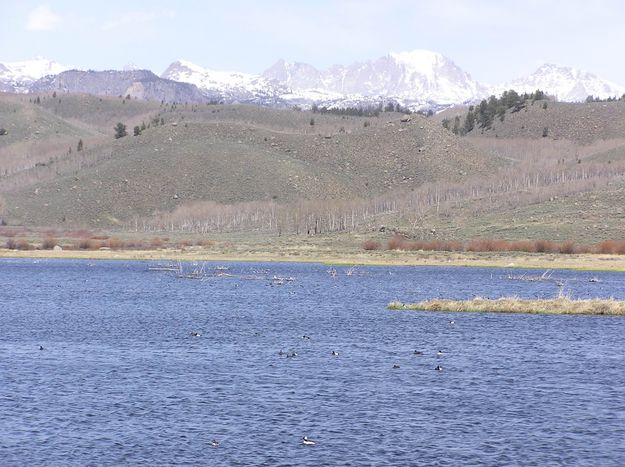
(137, 130)
(79, 146)
(120, 130)
(456, 127)
(469, 122)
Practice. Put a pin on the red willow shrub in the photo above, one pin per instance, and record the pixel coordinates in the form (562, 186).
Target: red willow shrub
(395, 243)
(566, 247)
(371, 245)
(48, 243)
(614, 247)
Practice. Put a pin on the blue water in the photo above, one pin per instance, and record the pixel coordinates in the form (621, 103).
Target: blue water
(121, 380)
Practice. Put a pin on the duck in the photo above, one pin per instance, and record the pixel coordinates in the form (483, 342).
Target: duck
(417, 352)
(451, 321)
(335, 353)
(291, 354)
(305, 337)
(307, 441)
(396, 366)
(438, 368)
(195, 334)
(439, 353)
(41, 347)
(215, 443)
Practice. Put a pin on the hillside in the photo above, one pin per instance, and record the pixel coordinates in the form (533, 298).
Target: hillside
(582, 123)
(224, 154)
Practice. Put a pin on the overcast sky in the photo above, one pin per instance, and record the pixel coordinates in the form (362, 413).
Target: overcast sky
(493, 40)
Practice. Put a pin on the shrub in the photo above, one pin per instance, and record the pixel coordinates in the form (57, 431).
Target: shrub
(115, 243)
(23, 244)
(204, 243)
(481, 245)
(543, 246)
(611, 247)
(156, 243)
(567, 247)
(10, 244)
(89, 244)
(371, 245)
(48, 243)
(395, 243)
(522, 245)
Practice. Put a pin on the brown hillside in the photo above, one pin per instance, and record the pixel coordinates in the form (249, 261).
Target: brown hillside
(583, 123)
(232, 154)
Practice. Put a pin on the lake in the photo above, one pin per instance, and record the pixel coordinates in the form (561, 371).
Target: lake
(121, 380)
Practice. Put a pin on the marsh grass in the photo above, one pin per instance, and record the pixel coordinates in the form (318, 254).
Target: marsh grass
(557, 306)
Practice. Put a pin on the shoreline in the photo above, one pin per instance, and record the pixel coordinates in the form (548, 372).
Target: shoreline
(585, 262)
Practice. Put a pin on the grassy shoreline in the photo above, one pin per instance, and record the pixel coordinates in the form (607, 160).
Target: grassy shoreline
(266, 253)
(555, 306)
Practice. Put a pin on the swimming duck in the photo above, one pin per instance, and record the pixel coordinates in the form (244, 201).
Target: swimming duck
(395, 366)
(41, 347)
(418, 352)
(439, 353)
(196, 334)
(438, 368)
(451, 321)
(335, 353)
(307, 441)
(215, 443)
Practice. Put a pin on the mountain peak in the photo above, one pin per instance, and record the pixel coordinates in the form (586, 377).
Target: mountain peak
(231, 85)
(565, 83)
(418, 57)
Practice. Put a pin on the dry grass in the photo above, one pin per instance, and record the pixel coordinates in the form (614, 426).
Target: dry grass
(557, 306)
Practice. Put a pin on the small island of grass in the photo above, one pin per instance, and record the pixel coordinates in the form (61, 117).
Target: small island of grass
(560, 305)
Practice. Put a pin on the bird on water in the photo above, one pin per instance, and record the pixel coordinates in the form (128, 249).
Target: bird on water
(307, 441)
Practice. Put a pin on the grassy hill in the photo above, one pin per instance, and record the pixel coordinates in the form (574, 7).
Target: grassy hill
(225, 154)
(210, 168)
(583, 123)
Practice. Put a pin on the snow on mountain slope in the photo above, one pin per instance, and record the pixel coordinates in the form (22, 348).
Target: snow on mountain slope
(234, 85)
(19, 75)
(565, 83)
(415, 78)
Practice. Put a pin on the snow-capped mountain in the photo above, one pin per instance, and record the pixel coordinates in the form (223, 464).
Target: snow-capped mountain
(414, 78)
(564, 83)
(225, 85)
(16, 76)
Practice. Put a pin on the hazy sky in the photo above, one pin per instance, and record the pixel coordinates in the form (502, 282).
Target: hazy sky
(493, 40)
